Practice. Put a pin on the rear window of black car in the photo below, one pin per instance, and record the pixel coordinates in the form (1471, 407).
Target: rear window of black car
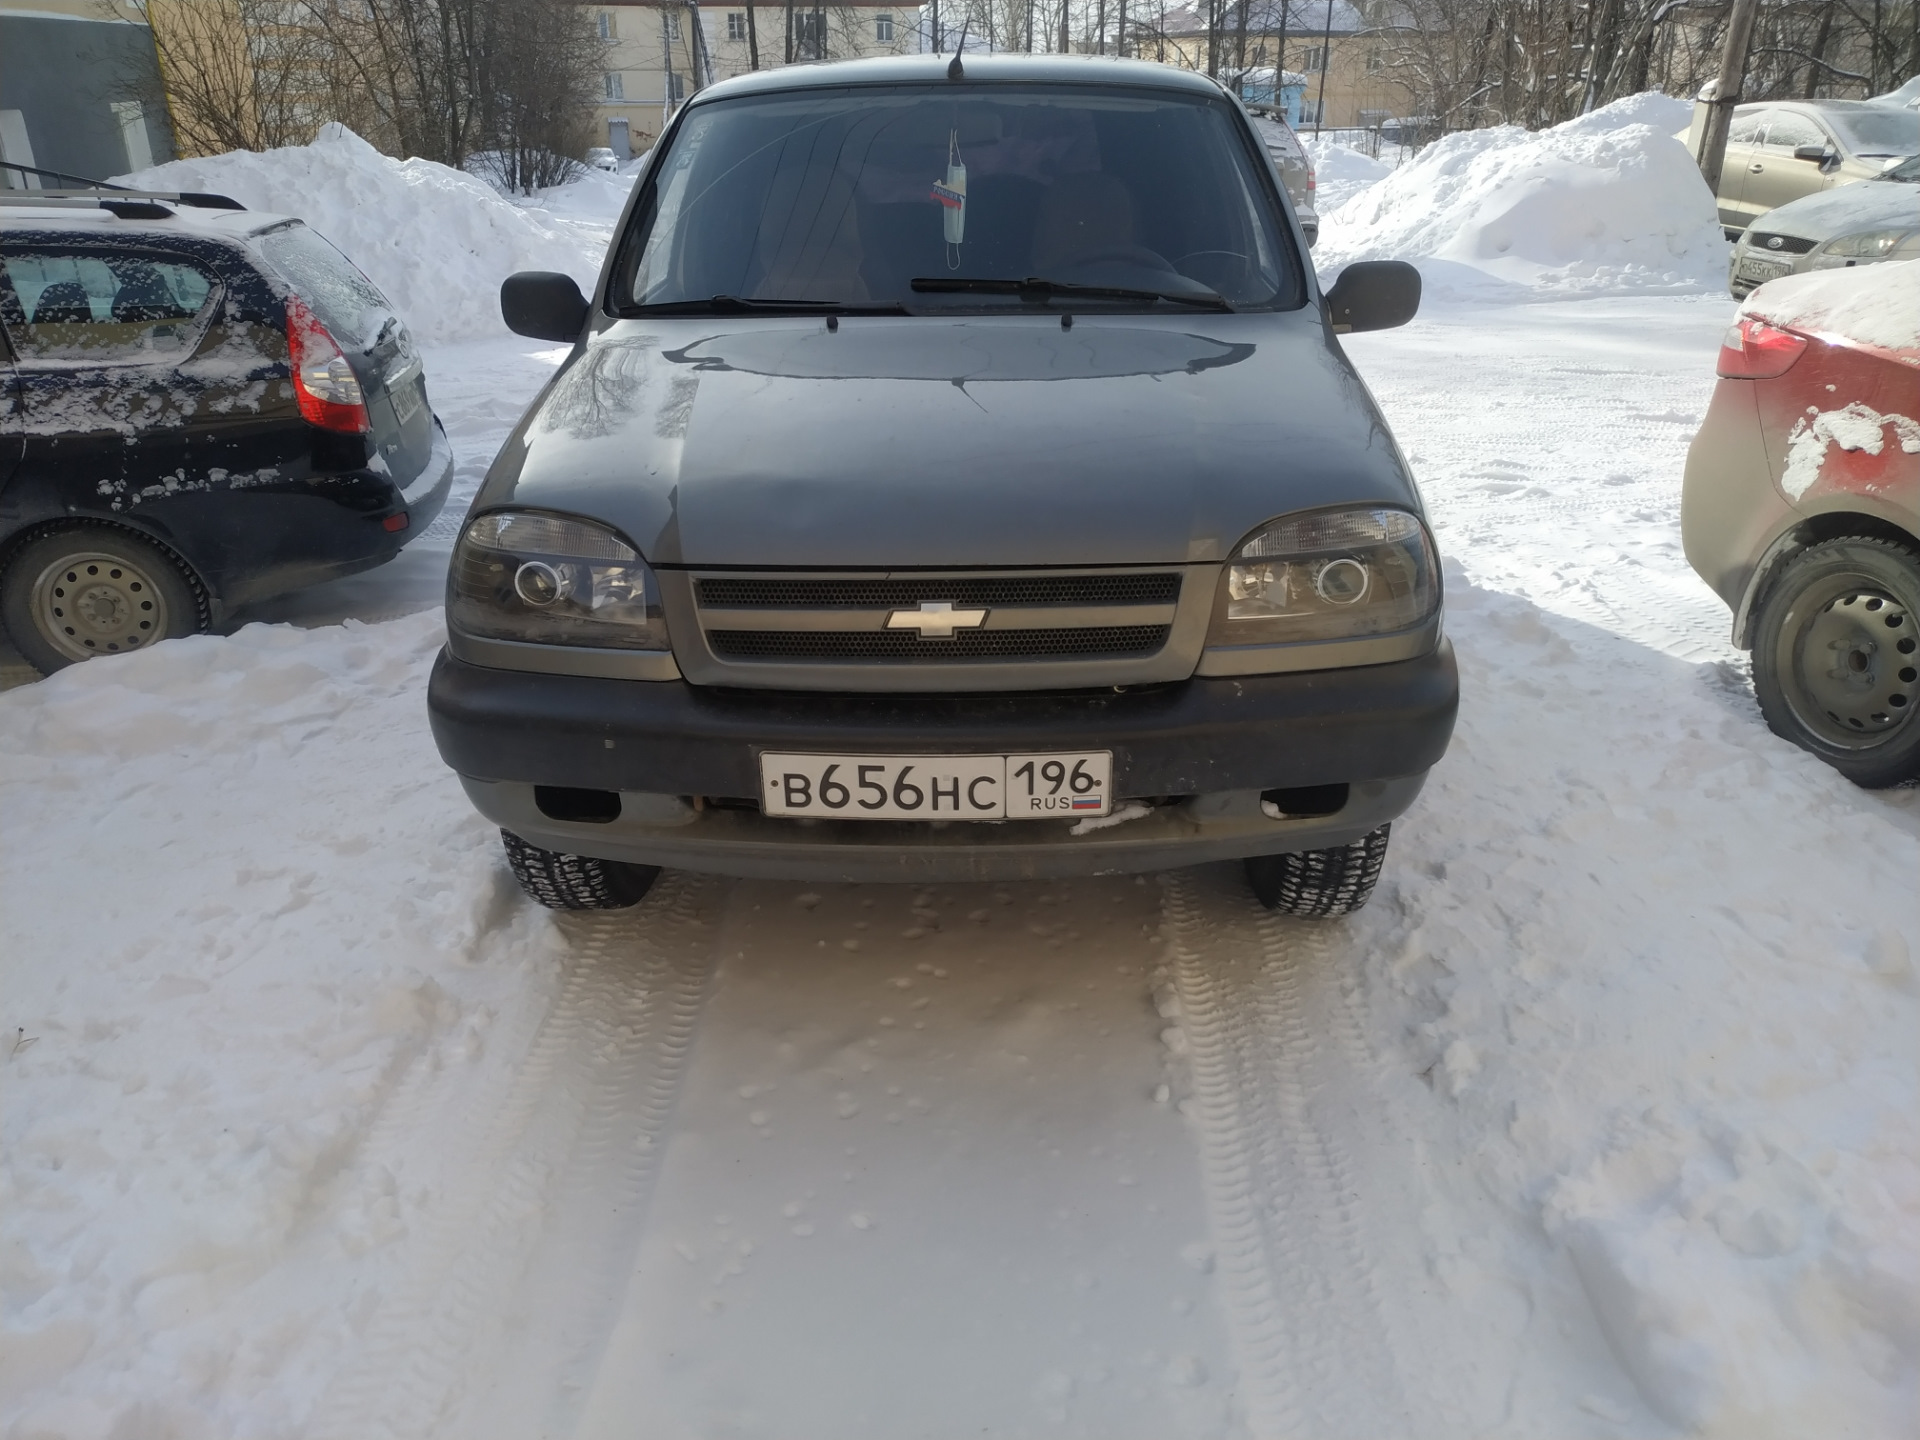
(849, 195)
(347, 302)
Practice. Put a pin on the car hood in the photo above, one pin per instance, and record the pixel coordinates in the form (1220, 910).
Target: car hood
(1843, 210)
(984, 441)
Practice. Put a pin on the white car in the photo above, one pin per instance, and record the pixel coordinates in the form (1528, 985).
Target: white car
(601, 157)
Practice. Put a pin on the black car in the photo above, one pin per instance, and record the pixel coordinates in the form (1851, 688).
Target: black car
(200, 407)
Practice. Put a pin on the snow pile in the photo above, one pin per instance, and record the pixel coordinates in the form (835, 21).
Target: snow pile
(437, 241)
(200, 1048)
(1606, 202)
(1341, 172)
(1875, 305)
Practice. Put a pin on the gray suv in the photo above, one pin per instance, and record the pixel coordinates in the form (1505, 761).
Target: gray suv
(956, 475)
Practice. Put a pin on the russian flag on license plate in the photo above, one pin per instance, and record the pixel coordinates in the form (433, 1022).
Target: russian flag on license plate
(1093, 804)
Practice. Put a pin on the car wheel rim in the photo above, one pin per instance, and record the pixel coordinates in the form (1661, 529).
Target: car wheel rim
(1853, 663)
(98, 604)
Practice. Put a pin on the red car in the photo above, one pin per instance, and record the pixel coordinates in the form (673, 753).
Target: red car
(1802, 510)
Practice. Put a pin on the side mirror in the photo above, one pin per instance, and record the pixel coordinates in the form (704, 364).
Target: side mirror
(1373, 295)
(1815, 153)
(543, 305)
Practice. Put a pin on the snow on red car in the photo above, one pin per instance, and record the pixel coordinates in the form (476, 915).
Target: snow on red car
(1802, 510)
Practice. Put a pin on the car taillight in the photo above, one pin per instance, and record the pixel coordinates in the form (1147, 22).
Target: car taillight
(330, 396)
(1311, 181)
(1754, 350)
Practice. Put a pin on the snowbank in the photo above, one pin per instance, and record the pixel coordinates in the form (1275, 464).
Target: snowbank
(1341, 172)
(437, 241)
(1604, 203)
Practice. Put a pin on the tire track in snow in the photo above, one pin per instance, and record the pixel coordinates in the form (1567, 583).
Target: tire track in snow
(505, 1296)
(1281, 1078)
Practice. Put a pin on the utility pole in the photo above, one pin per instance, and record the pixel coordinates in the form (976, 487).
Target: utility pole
(1029, 27)
(753, 40)
(1326, 52)
(1726, 91)
(666, 62)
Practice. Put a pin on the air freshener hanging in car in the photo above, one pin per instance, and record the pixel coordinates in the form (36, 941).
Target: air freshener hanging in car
(952, 193)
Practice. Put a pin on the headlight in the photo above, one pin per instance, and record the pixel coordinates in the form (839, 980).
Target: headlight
(549, 580)
(1867, 245)
(1334, 575)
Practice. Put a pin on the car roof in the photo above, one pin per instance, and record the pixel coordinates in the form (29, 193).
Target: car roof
(1815, 106)
(80, 217)
(991, 69)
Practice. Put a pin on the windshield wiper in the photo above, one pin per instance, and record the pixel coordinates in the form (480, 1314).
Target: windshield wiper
(1033, 288)
(744, 304)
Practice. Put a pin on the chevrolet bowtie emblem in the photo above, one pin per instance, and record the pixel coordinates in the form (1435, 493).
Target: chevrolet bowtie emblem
(936, 619)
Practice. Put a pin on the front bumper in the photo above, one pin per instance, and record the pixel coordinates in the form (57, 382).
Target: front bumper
(1202, 750)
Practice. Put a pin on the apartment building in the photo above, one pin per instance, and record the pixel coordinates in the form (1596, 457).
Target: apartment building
(79, 90)
(659, 53)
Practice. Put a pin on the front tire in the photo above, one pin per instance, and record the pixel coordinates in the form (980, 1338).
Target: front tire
(1836, 658)
(94, 590)
(1335, 881)
(561, 881)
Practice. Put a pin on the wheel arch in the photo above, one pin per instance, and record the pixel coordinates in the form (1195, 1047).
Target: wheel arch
(205, 605)
(1805, 531)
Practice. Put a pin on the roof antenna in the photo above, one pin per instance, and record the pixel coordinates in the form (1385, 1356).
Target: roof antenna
(954, 72)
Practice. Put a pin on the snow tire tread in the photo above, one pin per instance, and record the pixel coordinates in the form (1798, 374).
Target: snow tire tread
(562, 881)
(1337, 880)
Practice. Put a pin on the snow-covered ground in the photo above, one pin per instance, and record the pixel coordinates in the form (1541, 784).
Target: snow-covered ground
(1600, 1121)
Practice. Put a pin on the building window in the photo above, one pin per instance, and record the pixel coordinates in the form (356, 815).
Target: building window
(810, 35)
(1316, 58)
(673, 27)
(609, 29)
(1375, 63)
(616, 85)
(676, 87)
(736, 25)
(883, 29)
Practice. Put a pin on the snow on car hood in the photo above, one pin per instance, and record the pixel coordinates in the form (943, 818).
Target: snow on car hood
(1865, 205)
(1001, 440)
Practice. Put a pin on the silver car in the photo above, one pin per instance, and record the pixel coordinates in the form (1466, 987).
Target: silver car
(956, 475)
(1781, 150)
(1290, 158)
(1834, 230)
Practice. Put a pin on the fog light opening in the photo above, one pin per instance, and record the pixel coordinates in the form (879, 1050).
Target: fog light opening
(583, 807)
(1304, 802)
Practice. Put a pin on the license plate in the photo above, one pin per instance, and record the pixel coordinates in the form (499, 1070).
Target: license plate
(1070, 784)
(407, 400)
(1761, 267)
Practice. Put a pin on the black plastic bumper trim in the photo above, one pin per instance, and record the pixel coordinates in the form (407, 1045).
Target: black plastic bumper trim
(1256, 732)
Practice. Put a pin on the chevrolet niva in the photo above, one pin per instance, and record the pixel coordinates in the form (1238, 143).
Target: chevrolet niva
(955, 476)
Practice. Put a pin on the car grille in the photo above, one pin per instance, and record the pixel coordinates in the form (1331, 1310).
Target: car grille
(800, 628)
(1789, 244)
(901, 646)
(728, 592)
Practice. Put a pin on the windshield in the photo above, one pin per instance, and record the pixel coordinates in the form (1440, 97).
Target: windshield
(1907, 170)
(848, 197)
(1877, 131)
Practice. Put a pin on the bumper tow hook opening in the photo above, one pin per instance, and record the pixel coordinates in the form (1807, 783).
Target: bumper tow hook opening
(1304, 802)
(585, 807)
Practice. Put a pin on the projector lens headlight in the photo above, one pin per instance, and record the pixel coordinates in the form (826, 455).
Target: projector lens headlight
(1867, 245)
(552, 580)
(1331, 575)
